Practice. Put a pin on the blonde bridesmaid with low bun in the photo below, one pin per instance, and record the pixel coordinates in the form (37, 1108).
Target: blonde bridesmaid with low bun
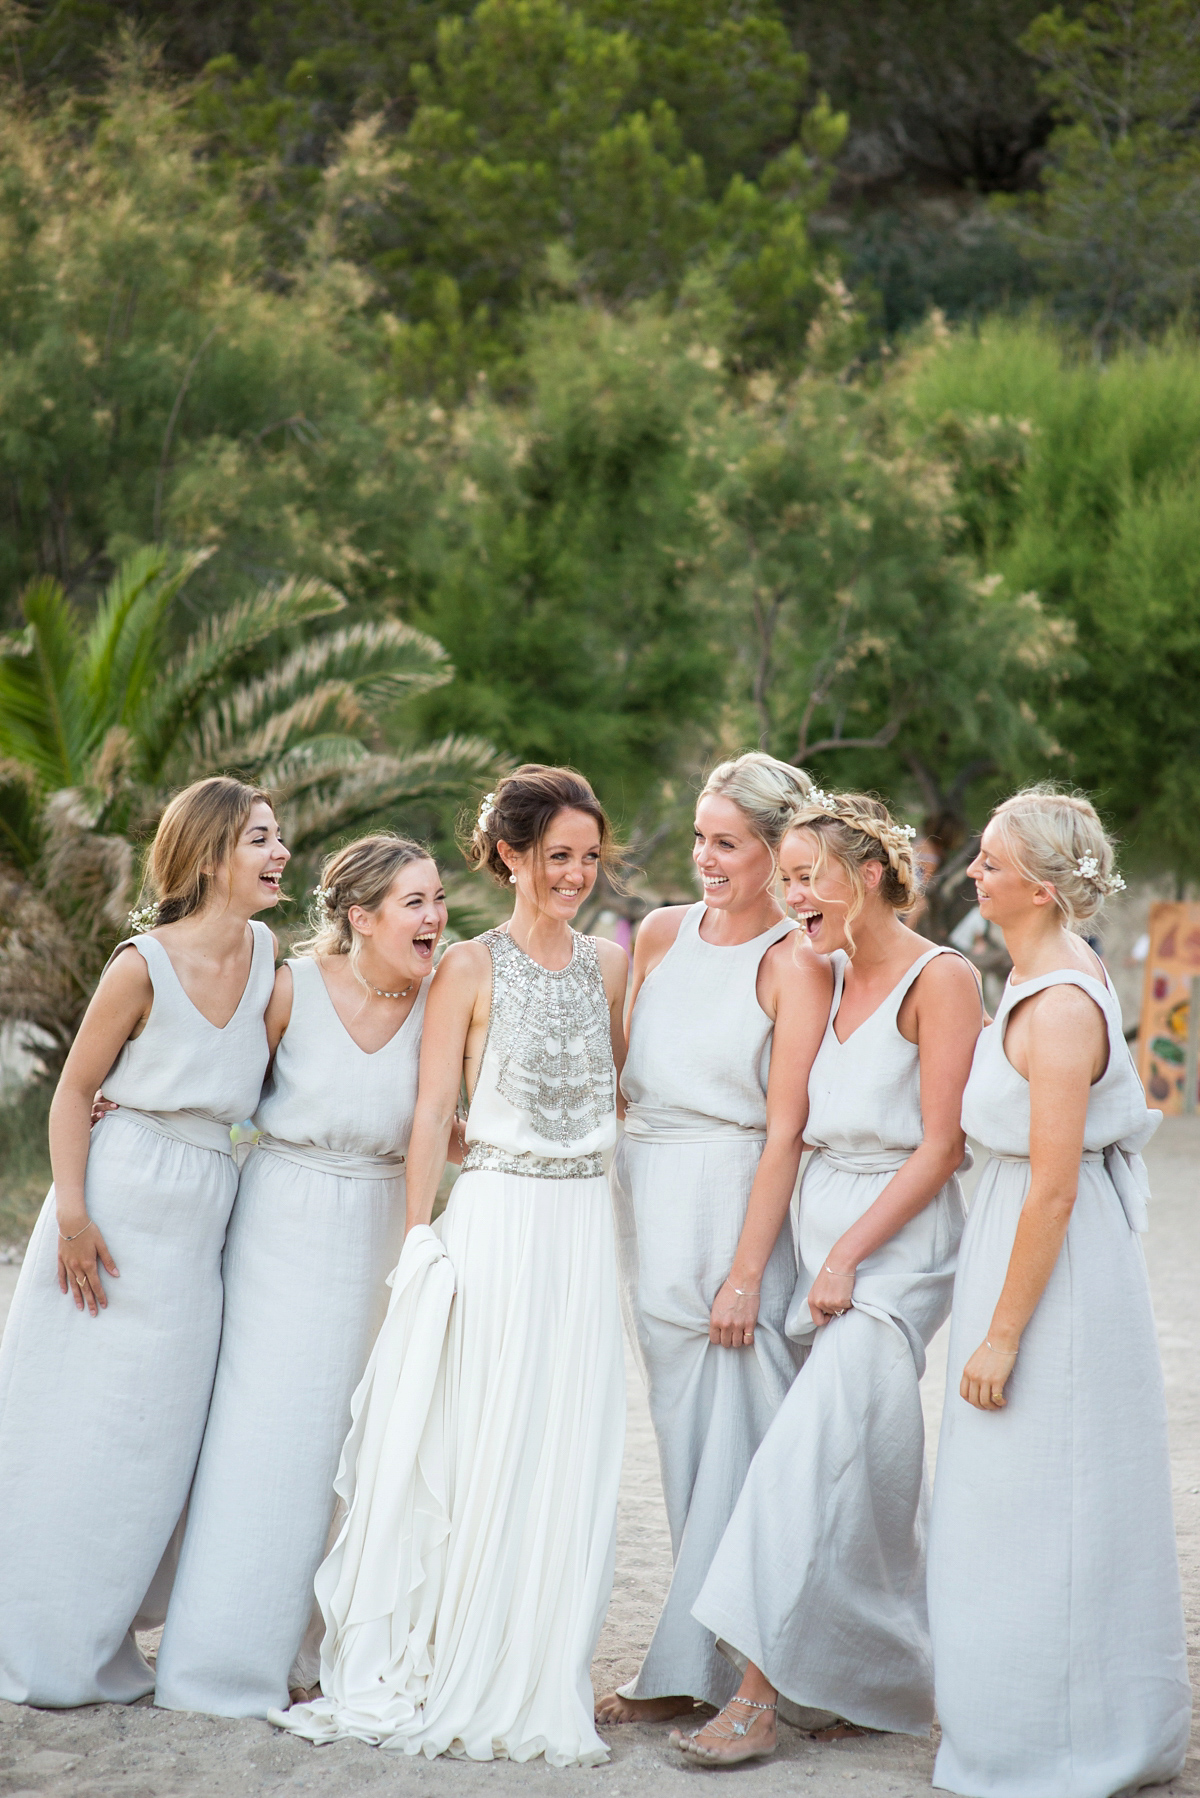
(1060, 1657)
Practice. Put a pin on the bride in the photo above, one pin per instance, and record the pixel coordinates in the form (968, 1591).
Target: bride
(464, 1596)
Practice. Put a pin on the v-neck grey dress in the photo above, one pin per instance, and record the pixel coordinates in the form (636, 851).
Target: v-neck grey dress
(820, 1576)
(101, 1417)
(316, 1229)
(1059, 1649)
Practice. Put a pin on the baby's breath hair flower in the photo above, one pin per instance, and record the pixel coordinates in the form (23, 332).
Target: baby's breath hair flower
(486, 809)
(144, 918)
(324, 895)
(1088, 868)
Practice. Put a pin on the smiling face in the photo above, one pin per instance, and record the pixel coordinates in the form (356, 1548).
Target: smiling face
(734, 864)
(822, 893)
(250, 880)
(558, 874)
(405, 928)
(1002, 892)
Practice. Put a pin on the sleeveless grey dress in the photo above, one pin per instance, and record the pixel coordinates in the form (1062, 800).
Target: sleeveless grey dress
(696, 1084)
(820, 1577)
(316, 1228)
(101, 1418)
(1058, 1636)
(466, 1590)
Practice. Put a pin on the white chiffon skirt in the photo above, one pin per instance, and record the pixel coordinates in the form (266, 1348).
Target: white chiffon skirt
(466, 1591)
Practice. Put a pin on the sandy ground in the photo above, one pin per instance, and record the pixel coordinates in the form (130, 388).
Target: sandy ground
(138, 1752)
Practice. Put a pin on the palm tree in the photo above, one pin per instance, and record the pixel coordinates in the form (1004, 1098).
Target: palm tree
(98, 726)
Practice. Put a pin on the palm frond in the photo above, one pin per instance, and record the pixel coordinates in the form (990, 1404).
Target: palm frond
(341, 678)
(380, 785)
(41, 720)
(120, 650)
(214, 649)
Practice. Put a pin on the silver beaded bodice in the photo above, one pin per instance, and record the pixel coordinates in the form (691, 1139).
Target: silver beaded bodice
(548, 1057)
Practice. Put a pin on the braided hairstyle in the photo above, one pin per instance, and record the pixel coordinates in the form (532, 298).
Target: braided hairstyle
(857, 828)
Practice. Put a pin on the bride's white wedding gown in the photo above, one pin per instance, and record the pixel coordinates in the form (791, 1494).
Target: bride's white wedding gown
(465, 1593)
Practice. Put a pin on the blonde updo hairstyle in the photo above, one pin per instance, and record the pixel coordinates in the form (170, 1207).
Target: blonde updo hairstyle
(196, 836)
(765, 791)
(854, 829)
(1057, 840)
(521, 811)
(363, 873)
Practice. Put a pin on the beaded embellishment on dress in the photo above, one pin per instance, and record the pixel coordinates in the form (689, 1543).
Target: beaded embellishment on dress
(550, 1038)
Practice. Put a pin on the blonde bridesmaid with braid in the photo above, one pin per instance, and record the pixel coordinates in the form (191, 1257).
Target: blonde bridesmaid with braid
(818, 1587)
(317, 1227)
(105, 1375)
(1060, 1656)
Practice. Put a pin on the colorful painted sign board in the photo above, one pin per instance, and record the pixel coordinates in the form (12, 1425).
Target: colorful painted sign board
(1172, 964)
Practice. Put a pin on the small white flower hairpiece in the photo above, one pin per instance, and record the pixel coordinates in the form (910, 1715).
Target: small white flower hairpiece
(827, 802)
(485, 811)
(325, 895)
(145, 918)
(1088, 868)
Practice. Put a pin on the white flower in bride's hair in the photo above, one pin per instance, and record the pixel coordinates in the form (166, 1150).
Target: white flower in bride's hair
(485, 811)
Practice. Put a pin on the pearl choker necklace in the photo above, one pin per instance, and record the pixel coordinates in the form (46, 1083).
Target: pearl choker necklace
(380, 994)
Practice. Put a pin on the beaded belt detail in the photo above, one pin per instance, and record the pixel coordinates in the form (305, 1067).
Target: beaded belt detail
(532, 1167)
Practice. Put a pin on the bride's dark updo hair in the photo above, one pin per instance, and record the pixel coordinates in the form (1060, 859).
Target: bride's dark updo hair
(522, 809)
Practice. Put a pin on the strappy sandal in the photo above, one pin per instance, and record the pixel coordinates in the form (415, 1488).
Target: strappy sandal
(726, 1728)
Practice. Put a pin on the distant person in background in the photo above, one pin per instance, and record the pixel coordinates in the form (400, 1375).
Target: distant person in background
(728, 1010)
(105, 1377)
(817, 1587)
(316, 1229)
(1059, 1649)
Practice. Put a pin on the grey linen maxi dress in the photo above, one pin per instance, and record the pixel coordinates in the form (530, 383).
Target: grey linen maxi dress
(820, 1577)
(696, 1082)
(1058, 1636)
(101, 1418)
(316, 1229)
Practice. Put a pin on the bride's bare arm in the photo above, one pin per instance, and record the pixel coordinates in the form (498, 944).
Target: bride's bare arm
(461, 983)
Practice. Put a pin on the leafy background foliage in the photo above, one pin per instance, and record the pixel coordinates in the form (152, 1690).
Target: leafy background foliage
(390, 392)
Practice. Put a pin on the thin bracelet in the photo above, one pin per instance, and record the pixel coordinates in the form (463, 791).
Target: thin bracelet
(1009, 1354)
(740, 1293)
(846, 1274)
(78, 1233)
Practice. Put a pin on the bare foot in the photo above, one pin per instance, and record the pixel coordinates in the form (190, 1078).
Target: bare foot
(303, 1694)
(836, 1732)
(741, 1732)
(612, 1708)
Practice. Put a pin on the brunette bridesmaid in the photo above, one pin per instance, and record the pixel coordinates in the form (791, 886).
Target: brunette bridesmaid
(105, 1375)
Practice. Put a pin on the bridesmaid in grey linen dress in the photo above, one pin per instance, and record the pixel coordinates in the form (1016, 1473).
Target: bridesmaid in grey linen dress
(702, 1182)
(316, 1229)
(103, 1401)
(1058, 1636)
(817, 1588)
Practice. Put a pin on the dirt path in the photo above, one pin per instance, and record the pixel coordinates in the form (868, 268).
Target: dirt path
(110, 1752)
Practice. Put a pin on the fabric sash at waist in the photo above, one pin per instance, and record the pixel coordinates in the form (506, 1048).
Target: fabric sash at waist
(329, 1161)
(1127, 1171)
(192, 1127)
(663, 1123)
(880, 1161)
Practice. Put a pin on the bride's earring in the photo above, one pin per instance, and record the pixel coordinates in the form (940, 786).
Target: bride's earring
(512, 880)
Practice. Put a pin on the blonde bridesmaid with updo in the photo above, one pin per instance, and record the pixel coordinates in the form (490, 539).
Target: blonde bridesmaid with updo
(107, 1362)
(1060, 1656)
(317, 1227)
(818, 1587)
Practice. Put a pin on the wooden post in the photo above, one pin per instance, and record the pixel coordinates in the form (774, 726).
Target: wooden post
(1191, 1065)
